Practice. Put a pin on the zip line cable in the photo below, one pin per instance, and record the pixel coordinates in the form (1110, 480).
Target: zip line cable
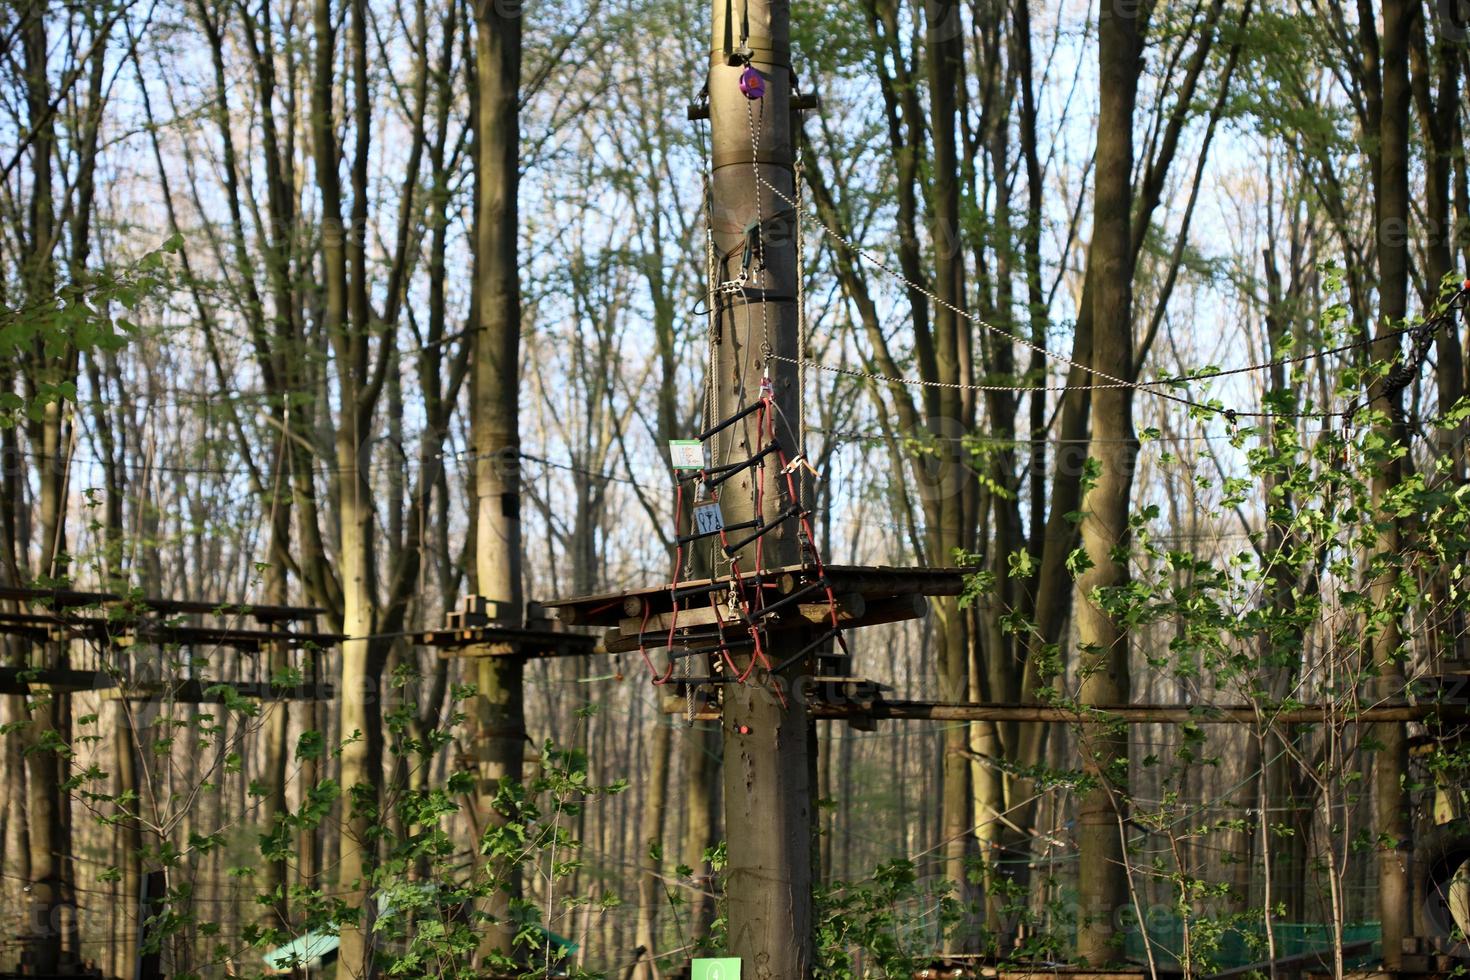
(1144, 385)
(1151, 387)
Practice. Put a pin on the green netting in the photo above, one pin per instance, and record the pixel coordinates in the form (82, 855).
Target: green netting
(1235, 946)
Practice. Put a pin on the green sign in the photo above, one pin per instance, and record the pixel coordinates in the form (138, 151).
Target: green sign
(727, 968)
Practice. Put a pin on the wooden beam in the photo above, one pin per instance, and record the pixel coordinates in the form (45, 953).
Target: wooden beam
(853, 612)
(53, 626)
(684, 619)
(195, 691)
(511, 639)
(529, 651)
(893, 610)
(1143, 714)
(71, 599)
(20, 680)
(879, 581)
(850, 606)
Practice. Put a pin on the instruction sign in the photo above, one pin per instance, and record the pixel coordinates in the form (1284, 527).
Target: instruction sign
(686, 454)
(725, 968)
(707, 517)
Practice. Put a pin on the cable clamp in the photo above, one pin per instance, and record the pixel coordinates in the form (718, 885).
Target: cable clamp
(800, 462)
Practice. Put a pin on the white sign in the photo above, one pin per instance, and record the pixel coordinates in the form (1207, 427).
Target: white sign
(686, 454)
(707, 517)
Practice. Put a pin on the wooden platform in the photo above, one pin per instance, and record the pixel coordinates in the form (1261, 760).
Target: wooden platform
(795, 599)
(72, 599)
(106, 631)
(115, 620)
(52, 618)
(870, 581)
(484, 628)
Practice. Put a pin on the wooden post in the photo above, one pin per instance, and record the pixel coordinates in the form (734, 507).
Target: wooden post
(767, 746)
(500, 727)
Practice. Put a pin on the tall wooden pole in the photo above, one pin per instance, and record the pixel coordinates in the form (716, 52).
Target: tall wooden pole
(500, 727)
(768, 746)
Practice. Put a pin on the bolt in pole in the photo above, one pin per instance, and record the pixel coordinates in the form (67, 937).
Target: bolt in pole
(769, 753)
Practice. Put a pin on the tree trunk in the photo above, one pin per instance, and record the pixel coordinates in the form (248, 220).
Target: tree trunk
(1387, 643)
(945, 508)
(1103, 664)
(45, 804)
(344, 323)
(702, 786)
(650, 883)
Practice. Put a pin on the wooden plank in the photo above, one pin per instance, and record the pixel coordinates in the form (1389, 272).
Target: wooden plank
(531, 651)
(616, 640)
(471, 651)
(71, 599)
(19, 680)
(850, 606)
(684, 618)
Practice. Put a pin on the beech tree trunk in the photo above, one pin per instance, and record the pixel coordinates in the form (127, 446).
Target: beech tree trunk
(1103, 644)
(1393, 829)
(651, 859)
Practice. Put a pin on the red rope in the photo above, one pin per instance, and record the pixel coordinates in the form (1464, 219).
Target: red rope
(749, 601)
(739, 581)
(674, 578)
(811, 539)
(643, 652)
(673, 598)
